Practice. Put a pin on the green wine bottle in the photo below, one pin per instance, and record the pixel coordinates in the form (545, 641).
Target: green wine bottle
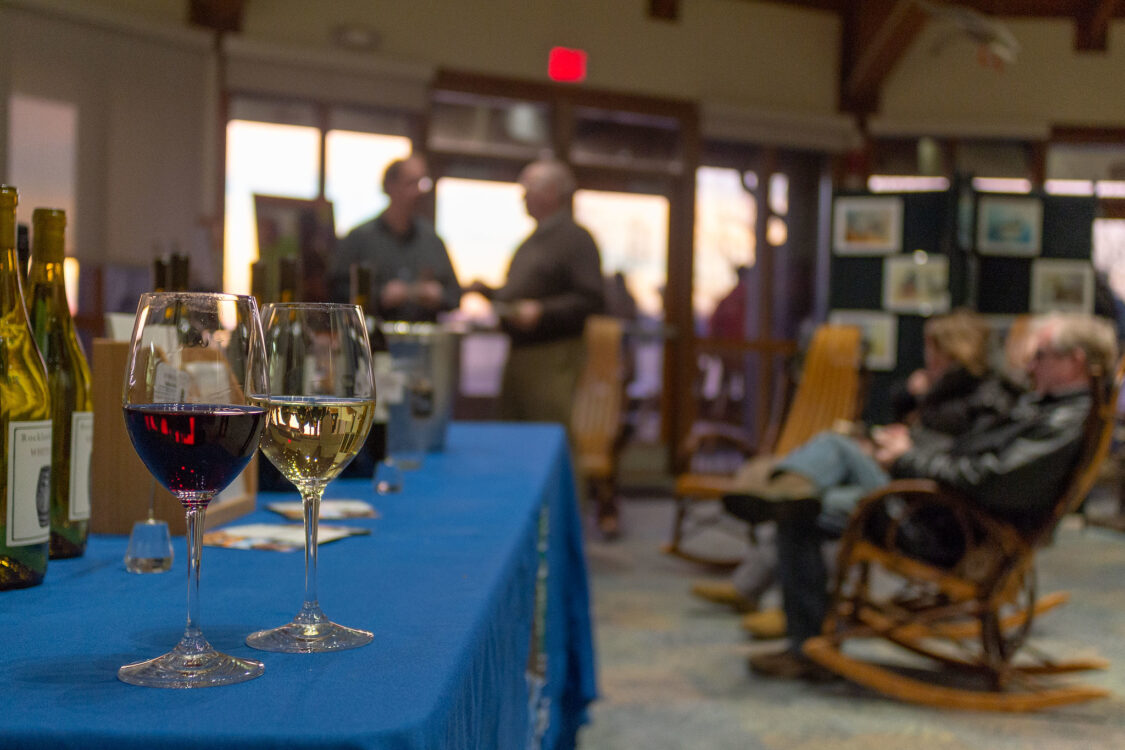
(25, 424)
(68, 378)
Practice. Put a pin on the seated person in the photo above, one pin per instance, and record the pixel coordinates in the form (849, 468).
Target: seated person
(954, 392)
(995, 464)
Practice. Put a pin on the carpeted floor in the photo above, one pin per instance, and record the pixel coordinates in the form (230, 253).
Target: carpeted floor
(672, 669)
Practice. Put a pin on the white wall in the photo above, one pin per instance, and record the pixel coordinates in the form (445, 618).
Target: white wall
(141, 95)
(729, 53)
(1049, 84)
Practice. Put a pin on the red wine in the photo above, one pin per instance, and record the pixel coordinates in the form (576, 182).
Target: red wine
(195, 447)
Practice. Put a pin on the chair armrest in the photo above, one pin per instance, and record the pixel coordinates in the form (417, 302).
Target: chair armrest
(710, 434)
(988, 543)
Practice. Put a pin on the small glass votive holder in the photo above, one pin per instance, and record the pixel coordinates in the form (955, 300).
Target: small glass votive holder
(150, 547)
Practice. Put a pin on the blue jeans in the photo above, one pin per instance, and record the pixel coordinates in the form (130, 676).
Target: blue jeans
(843, 474)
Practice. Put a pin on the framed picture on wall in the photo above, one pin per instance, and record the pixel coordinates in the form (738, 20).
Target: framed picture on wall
(864, 225)
(880, 335)
(916, 283)
(1062, 286)
(1009, 226)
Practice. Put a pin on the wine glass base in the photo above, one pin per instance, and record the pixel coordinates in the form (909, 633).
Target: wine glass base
(309, 638)
(177, 669)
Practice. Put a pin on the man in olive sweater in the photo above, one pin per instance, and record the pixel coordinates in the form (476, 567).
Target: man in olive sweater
(554, 283)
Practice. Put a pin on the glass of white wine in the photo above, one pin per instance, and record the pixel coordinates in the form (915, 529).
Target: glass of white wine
(320, 406)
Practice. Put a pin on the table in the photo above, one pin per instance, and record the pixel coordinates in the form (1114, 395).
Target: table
(447, 581)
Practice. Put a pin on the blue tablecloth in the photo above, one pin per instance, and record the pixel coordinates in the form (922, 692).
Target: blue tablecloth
(447, 581)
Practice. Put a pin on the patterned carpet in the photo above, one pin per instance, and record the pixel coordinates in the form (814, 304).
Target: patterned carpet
(672, 669)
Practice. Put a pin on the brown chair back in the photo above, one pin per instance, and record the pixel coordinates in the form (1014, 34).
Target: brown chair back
(829, 388)
(1096, 441)
(599, 399)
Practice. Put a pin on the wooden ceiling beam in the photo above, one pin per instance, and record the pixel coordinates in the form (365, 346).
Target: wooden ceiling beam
(876, 34)
(1091, 27)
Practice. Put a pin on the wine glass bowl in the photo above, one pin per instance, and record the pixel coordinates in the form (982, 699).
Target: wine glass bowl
(194, 379)
(319, 409)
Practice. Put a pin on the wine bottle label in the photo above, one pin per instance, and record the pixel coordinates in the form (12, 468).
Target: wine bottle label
(29, 483)
(209, 381)
(170, 384)
(382, 372)
(81, 445)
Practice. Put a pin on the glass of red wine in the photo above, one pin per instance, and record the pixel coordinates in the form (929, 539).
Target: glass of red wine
(195, 380)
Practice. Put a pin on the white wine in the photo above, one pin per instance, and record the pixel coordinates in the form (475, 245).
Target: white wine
(311, 439)
(25, 426)
(68, 378)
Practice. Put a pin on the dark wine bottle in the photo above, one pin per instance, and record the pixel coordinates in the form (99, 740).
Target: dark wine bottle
(375, 448)
(68, 379)
(160, 276)
(25, 424)
(287, 280)
(179, 271)
(23, 250)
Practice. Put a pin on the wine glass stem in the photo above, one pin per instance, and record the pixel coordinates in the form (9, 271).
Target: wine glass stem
(195, 519)
(152, 501)
(310, 501)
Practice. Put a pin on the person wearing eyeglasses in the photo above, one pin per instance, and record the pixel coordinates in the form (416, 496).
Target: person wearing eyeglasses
(412, 278)
(1014, 468)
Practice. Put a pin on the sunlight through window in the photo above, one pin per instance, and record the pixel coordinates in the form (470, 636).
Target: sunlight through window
(282, 160)
(725, 214)
(354, 166)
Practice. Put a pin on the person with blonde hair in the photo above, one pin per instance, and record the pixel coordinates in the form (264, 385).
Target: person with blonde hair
(954, 392)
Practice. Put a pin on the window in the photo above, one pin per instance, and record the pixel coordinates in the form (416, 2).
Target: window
(725, 214)
(274, 148)
(267, 158)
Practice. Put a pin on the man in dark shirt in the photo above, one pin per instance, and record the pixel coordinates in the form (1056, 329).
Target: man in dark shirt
(411, 275)
(1014, 468)
(554, 283)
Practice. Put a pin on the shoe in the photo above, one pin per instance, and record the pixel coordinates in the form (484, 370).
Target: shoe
(724, 593)
(790, 486)
(790, 665)
(766, 625)
(759, 508)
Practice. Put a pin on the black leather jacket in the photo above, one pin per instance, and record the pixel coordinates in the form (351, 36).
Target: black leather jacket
(1015, 467)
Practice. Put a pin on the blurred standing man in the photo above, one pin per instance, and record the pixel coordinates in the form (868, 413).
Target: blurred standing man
(554, 283)
(411, 276)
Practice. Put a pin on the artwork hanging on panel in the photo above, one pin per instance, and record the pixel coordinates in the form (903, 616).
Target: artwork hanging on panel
(1009, 226)
(880, 335)
(1062, 286)
(867, 225)
(916, 283)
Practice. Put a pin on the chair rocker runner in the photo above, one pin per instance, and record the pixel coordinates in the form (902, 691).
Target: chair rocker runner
(829, 390)
(973, 615)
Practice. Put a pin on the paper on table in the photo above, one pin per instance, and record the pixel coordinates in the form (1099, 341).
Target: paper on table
(329, 509)
(278, 537)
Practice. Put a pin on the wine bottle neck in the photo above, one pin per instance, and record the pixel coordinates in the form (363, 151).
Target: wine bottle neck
(11, 290)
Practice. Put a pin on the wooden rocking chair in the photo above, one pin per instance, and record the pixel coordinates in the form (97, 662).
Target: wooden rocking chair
(596, 423)
(828, 391)
(973, 615)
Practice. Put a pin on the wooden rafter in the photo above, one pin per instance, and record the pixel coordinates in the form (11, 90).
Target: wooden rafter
(876, 34)
(1091, 27)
